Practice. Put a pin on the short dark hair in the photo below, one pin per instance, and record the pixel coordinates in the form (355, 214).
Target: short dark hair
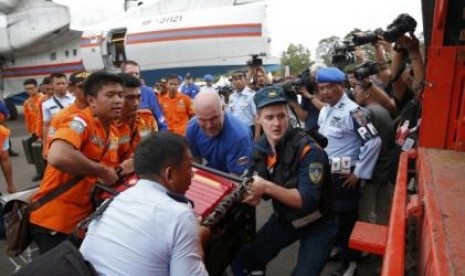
(30, 81)
(172, 77)
(57, 75)
(94, 83)
(128, 62)
(129, 81)
(239, 72)
(47, 80)
(159, 150)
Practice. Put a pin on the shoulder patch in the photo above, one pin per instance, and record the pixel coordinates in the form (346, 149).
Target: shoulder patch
(316, 172)
(78, 125)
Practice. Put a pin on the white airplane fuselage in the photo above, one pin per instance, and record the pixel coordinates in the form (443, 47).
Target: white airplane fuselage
(201, 41)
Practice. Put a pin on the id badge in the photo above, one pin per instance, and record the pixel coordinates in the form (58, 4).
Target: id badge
(408, 144)
(345, 165)
(336, 165)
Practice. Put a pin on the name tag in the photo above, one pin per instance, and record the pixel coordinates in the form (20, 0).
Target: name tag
(340, 165)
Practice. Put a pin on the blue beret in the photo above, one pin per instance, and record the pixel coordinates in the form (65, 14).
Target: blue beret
(330, 75)
(208, 77)
(269, 95)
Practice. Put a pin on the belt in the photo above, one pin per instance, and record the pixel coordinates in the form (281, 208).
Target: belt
(306, 220)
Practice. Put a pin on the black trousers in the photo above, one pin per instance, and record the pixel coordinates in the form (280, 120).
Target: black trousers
(45, 239)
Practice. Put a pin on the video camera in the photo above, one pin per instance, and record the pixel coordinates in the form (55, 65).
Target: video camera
(291, 87)
(255, 61)
(366, 69)
(404, 23)
(343, 54)
(362, 38)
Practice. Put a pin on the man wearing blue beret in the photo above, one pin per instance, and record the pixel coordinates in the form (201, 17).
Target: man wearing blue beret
(353, 148)
(293, 171)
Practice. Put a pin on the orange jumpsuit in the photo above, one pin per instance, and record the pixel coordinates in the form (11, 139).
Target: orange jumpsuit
(4, 135)
(144, 125)
(85, 133)
(55, 122)
(32, 111)
(178, 111)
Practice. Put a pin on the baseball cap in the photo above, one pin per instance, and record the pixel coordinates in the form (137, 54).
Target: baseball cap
(208, 77)
(330, 75)
(269, 95)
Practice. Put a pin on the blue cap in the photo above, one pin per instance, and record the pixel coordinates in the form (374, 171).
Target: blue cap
(208, 77)
(269, 95)
(330, 75)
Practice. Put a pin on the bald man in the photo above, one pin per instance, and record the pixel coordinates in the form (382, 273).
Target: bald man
(218, 138)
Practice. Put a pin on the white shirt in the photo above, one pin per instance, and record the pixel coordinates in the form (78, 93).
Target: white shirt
(205, 88)
(242, 106)
(337, 125)
(50, 108)
(144, 232)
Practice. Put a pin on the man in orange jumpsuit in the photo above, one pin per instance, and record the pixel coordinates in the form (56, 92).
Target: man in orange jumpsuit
(32, 117)
(176, 106)
(32, 106)
(85, 145)
(140, 122)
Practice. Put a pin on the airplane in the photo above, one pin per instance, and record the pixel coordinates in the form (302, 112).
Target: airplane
(39, 37)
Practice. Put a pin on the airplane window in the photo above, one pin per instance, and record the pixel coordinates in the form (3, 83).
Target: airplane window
(74, 52)
(66, 53)
(53, 56)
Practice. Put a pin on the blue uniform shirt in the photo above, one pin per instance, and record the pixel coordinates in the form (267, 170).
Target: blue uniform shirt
(230, 151)
(242, 106)
(309, 191)
(190, 90)
(350, 134)
(3, 109)
(148, 100)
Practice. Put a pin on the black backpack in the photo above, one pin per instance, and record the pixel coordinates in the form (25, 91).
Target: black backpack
(64, 259)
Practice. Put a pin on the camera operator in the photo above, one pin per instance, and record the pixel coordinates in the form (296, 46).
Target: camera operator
(309, 108)
(366, 72)
(407, 46)
(376, 193)
(258, 77)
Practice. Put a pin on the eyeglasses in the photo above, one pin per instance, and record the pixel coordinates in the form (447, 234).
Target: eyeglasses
(238, 77)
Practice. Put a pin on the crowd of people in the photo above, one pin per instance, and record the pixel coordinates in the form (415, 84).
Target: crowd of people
(98, 127)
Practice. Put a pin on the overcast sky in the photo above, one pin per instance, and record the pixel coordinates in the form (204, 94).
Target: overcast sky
(309, 21)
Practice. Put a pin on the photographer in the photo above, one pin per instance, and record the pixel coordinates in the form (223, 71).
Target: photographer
(365, 73)
(404, 85)
(257, 76)
(310, 106)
